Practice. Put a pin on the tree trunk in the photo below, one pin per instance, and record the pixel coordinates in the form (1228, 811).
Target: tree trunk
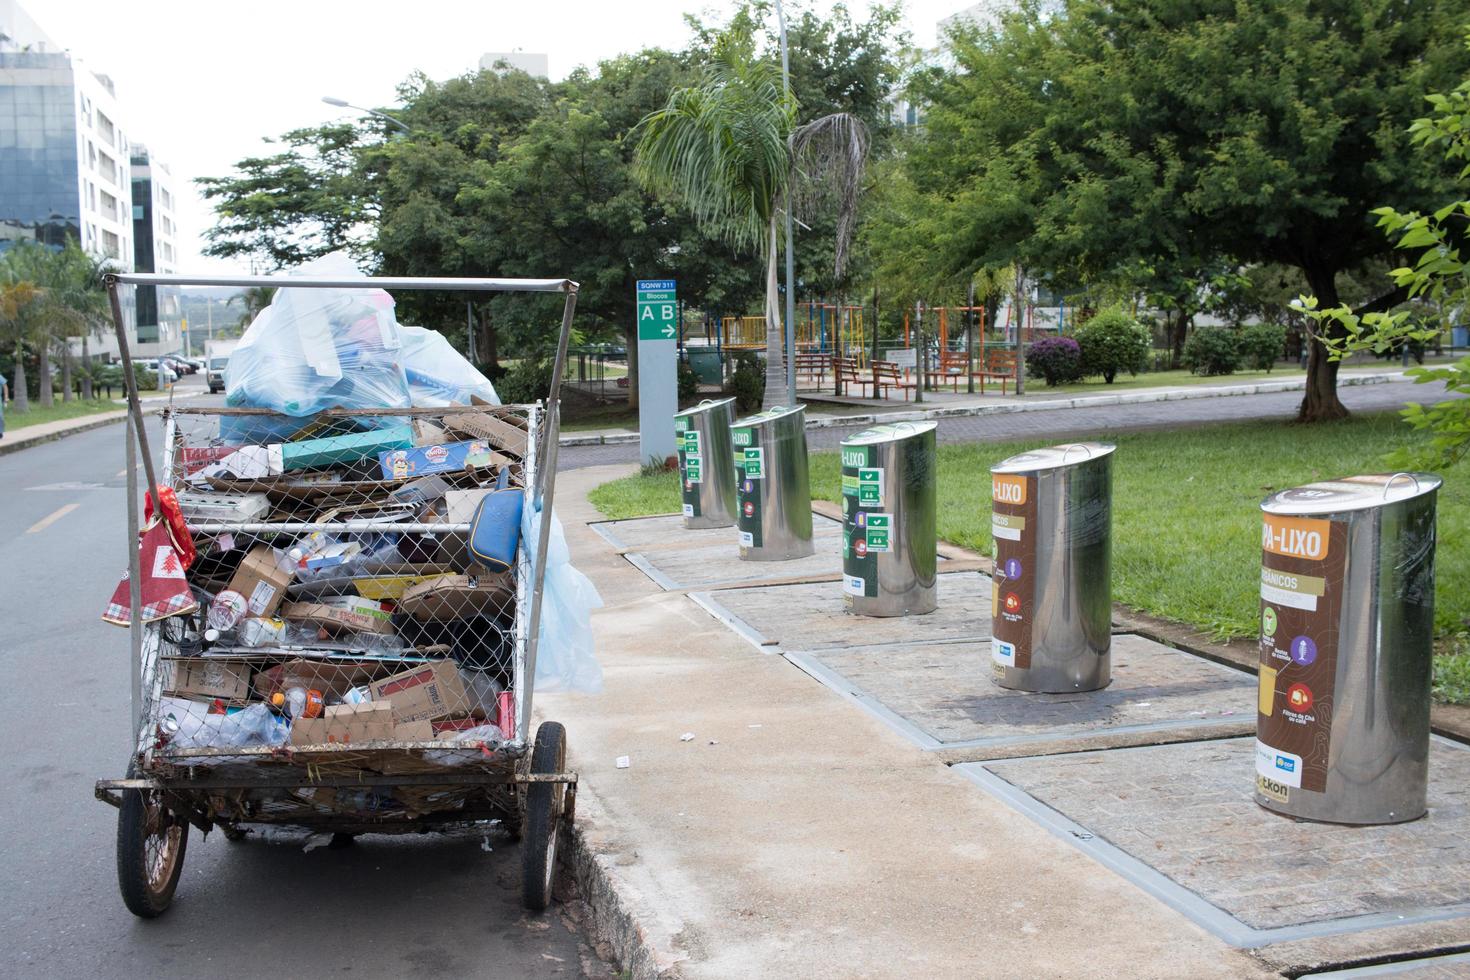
(632, 345)
(489, 349)
(87, 374)
(1178, 327)
(1019, 306)
(1320, 402)
(66, 370)
(775, 363)
(43, 379)
(22, 397)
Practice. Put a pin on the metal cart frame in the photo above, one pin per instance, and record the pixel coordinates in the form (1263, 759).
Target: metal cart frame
(525, 780)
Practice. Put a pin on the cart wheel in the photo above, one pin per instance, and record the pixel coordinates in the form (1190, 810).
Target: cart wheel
(150, 852)
(543, 816)
(232, 833)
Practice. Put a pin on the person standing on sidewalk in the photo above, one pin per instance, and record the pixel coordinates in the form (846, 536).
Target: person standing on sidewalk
(4, 396)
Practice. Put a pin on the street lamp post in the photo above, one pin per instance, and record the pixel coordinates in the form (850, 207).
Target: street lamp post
(344, 104)
(790, 259)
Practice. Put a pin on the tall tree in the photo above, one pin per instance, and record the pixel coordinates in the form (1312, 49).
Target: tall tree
(1133, 132)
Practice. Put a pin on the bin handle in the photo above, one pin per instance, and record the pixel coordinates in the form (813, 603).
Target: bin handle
(1071, 446)
(1389, 482)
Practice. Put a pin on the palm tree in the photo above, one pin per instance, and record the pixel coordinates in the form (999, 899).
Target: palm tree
(254, 299)
(730, 148)
(65, 305)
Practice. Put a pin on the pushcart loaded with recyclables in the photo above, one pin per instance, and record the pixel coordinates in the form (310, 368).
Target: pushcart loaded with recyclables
(379, 680)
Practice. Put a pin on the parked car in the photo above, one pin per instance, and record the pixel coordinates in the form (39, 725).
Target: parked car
(169, 374)
(179, 364)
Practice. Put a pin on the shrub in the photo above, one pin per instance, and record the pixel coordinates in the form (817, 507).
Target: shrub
(688, 382)
(748, 384)
(1055, 359)
(1262, 345)
(1113, 341)
(1212, 350)
(528, 381)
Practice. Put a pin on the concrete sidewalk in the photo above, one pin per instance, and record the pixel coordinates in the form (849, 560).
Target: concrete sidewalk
(796, 836)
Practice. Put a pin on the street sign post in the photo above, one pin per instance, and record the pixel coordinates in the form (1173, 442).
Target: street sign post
(658, 394)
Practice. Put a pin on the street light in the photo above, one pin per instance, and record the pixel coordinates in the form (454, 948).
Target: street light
(344, 104)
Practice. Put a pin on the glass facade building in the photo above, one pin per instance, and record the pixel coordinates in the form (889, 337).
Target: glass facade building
(39, 179)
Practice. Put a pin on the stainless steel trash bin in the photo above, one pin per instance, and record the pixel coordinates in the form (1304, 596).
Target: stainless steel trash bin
(1051, 594)
(706, 463)
(775, 516)
(888, 528)
(1347, 631)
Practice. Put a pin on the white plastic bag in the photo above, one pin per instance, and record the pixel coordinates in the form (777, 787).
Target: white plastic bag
(565, 656)
(438, 375)
(313, 349)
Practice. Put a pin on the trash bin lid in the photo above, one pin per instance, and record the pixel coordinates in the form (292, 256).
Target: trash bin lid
(1053, 457)
(1350, 493)
(768, 416)
(889, 432)
(705, 406)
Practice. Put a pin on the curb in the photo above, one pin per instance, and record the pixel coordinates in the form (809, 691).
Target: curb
(1049, 405)
(84, 425)
(642, 941)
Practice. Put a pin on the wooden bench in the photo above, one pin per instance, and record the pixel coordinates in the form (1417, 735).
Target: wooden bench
(848, 372)
(954, 367)
(1000, 365)
(812, 366)
(889, 375)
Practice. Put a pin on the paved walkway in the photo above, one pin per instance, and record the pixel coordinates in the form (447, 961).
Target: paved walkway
(1090, 420)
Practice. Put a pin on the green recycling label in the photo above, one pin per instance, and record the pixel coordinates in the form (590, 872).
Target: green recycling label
(693, 468)
(691, 471)
(870, 486)
(865, 534)
(755, 464)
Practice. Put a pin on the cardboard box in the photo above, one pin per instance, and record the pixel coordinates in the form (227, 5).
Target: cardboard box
(427, 433)
(345, 724)
(447, 597)
(458, 507)
(405, 464)
(428, 692)
(316, 453)
(342, 613)
(207, 678)
(260, 581)
(489, 427)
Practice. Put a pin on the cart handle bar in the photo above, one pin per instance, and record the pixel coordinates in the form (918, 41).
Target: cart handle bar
(111, 790)
(361, 282)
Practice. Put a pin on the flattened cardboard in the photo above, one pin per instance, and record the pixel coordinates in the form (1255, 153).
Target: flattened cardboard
(491, 428)
(448, 597)
(342, 613)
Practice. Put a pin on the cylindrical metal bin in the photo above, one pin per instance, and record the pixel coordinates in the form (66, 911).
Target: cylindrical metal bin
(1052, 594)
(888, 529)
(774, 490)
(706, 463)
(1347, 631)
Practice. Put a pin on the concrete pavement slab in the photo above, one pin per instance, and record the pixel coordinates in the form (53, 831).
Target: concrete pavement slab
(794, 836)
(1181, 822)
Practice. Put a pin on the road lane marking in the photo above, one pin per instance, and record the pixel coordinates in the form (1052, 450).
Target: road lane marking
(55, 516)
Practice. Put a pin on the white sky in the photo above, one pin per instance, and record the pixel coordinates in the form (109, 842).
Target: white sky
(202, 82)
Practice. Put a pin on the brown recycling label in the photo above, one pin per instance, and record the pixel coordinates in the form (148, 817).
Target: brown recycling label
(1012, 594)
(1302, 564)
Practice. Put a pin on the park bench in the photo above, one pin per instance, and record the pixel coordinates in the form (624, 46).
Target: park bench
(811, 366)
(888, 375)
(848, 372)
(999, 365)
(954, 367)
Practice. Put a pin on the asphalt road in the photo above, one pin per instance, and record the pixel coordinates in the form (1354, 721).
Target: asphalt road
(1073, 423)
(387, 907)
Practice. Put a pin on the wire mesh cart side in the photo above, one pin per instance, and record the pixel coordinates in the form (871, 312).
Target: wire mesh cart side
(341, 656)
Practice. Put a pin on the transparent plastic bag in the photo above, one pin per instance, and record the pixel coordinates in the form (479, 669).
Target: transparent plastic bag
(254, 725)
(438, 375)
(566, 659)
(313, 349)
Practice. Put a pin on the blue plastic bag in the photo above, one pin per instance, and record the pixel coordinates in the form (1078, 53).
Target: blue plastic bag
(565, 656)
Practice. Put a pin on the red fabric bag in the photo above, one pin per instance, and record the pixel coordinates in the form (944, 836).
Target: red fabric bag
(165, 590)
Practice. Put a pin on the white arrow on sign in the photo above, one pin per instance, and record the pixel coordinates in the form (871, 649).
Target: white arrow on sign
(669, 331)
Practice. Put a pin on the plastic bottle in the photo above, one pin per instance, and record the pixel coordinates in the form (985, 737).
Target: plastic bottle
(227, 609)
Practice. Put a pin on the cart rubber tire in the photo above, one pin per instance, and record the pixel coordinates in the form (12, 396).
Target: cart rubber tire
(233, 834)
(150, 853)
(543, 817)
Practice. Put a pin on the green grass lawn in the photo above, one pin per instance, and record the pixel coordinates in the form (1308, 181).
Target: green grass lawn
(1186, 520)
(1035, 387)
(61, 410)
